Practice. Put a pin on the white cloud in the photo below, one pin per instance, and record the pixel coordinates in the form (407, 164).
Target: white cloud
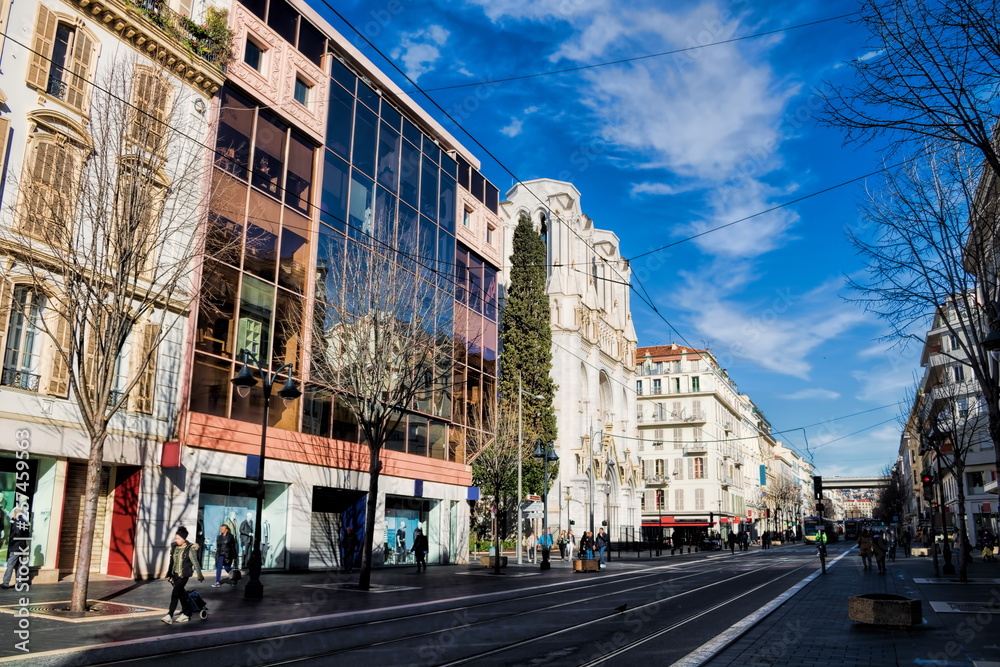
(814, 393)
(871, 54)
(531, 110)
(652, 189)
(514, 128)
(419, 50)
(778, 333)
(747, 239)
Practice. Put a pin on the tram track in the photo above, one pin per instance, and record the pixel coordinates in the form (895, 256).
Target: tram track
(452, 626)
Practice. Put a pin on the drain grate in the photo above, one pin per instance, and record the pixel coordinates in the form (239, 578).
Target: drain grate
(373, 588)
(965, 607)
(97, 610)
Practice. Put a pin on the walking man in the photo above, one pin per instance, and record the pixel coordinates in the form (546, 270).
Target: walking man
(184, 562)
(420, 549)
(545, 544)
(350, 545)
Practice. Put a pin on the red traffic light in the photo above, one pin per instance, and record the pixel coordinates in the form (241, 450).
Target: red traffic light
(926, 478)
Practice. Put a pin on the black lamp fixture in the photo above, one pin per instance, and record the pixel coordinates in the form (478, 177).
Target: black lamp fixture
(992, 341)
(547, 453)
(244, 381)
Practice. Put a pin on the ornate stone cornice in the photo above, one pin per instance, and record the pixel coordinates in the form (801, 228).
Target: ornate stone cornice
(134, 28)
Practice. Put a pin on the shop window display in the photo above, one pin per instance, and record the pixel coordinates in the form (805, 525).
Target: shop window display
(232, 502)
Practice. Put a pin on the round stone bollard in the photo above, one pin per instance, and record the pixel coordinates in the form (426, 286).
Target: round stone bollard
(884, 609)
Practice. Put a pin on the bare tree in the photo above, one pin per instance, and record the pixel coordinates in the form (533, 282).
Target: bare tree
(892, 499)
(383, 342)
(957, 412)
(493, 453)
(782, 497)
(931, 76)
(929, 263)
(102, 240)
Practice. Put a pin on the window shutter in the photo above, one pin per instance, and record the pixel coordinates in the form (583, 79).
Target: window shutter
(679, 468)
(6, 289)
(41, 46)
(690, 468)
(4, 135)
(151, 97)
(80, 68)
(49, 199)
(59, 375)
(144, 362)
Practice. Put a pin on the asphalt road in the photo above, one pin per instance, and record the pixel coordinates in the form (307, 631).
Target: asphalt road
(633, 614)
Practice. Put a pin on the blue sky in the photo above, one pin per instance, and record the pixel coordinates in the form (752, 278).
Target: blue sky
(667, 147)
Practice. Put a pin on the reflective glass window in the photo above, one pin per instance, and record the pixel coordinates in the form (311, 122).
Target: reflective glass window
(312, 42)
(367, 96)
(329, 263)
(261, 246)
(448, 165)
(432, 150)
(317, 410)
(298, 186)
(294, 257)
(391, 116)
(333, 205)
(342, 75)
(339, 121)
(288, 330)
(429, 189)
(258, 7)
(360, 215)
(385, 216)
(365, 133)
(210, 386)
(217, 309)
(492, 197)
(411, 133)
(446, 208)
(235, 129)
(253, 331)
(269, 152)
(283, 20)
(409, 174)
(388, 158)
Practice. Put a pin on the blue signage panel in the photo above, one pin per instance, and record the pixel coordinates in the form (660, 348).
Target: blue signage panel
(253, 466)
(763, 475)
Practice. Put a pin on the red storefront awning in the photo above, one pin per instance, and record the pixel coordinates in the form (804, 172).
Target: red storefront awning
(670, 522)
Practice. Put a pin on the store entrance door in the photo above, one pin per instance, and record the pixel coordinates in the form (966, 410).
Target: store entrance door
(332, 511)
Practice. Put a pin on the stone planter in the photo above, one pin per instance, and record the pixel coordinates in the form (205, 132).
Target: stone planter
(587, 565)
(491, 561)
(884, 609)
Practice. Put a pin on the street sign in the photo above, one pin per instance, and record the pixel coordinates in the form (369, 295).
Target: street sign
(533, 497)
(531, 507)
(533, 515)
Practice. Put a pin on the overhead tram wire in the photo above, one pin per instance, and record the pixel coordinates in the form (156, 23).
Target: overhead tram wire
(647, 56)
(476, 141)
(449, 277)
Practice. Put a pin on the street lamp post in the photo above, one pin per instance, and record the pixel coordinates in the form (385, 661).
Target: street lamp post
(590, 474)
(520, 451)
(937, 439)
(243, 382)
(546, 453)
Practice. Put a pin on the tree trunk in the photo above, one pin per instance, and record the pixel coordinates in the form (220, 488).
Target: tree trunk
(963, 558)
(374, 470)
(497, 552)
(81, 579)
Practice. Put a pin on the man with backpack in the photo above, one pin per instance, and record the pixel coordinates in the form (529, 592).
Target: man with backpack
(184, 562)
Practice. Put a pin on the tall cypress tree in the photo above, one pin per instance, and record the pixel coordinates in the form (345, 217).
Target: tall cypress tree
(526, 338)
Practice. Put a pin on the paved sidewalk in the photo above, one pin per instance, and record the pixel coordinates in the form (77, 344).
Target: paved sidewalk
(306, 600)
(812, 627)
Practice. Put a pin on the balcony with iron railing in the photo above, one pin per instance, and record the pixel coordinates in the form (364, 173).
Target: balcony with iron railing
(695, 448)
(18, 379)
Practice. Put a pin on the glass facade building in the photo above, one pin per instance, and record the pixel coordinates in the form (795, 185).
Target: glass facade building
(285, 208)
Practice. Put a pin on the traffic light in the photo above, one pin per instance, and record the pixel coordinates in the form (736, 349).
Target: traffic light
(817, 487)
(928, 481)
(572, 522)
(711, 518)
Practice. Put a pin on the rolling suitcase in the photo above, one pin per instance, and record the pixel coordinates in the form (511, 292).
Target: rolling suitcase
(198, 605)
